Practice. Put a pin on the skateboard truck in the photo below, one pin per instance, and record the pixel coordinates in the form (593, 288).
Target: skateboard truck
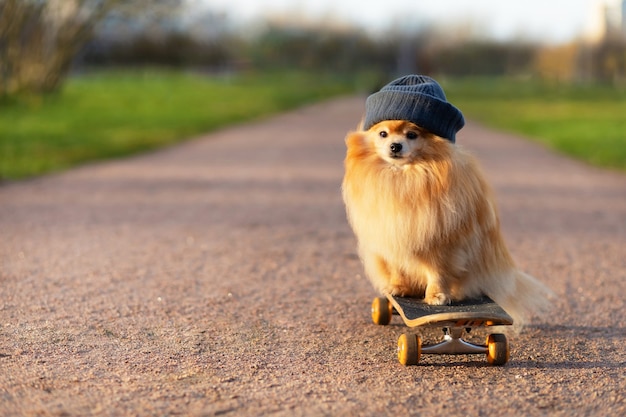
(453, 344)
(454, 320)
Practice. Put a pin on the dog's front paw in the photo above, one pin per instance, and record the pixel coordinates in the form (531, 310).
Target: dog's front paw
(398, 291)
(437, 299)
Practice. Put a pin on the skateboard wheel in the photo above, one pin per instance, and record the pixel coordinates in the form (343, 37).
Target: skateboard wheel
(409, 349)
(497, 349)
(381, 311)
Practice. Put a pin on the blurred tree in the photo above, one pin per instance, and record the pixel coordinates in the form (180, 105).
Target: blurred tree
(40, 38)
(609, 61)
(320, 49)
(193, 38)
(483, 58)
(557, 63)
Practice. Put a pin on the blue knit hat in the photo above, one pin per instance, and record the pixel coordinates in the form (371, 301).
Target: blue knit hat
(418, 99)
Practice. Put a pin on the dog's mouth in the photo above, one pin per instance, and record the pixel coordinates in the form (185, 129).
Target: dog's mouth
(395, 155)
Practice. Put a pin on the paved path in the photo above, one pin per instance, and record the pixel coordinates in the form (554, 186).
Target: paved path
(219, 277)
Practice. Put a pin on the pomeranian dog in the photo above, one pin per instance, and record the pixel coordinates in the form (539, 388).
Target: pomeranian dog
(425, 218)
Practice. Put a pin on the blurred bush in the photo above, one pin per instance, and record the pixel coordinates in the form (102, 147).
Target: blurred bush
(40, 39)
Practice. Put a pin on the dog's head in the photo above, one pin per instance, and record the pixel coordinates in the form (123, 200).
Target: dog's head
(401, 142)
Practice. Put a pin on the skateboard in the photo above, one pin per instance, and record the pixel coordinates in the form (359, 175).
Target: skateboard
(455, 320)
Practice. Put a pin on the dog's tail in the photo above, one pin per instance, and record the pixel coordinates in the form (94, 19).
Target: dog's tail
(522, 296)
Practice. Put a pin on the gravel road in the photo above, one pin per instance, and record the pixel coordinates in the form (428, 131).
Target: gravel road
(220, 277)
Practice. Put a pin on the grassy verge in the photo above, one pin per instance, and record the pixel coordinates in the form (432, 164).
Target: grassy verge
(586, 122)
(112, 114)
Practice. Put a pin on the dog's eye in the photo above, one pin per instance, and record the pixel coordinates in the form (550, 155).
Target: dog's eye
(383, 134)
(411, 135)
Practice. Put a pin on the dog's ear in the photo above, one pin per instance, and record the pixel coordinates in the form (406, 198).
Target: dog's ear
(355, 139)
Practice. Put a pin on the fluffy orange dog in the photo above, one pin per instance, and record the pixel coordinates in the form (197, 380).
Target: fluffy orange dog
(423, 214)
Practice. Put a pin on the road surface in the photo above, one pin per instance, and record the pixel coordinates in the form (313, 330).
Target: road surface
(220, 277)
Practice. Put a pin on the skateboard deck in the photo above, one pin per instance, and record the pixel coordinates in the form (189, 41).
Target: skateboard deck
(455, 320)
(468, 313)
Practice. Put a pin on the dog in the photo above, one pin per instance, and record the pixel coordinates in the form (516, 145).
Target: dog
(426, 220)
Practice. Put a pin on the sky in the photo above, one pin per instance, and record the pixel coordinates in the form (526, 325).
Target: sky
(553, 21)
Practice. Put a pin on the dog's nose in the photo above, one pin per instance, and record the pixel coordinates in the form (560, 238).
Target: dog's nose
(395, 147)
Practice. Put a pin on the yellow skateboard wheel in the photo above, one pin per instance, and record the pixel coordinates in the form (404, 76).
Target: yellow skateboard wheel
(381, 311)
(409, 349)
(497, 349)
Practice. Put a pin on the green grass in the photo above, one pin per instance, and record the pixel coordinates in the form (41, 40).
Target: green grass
(112, 114)
(583, 121)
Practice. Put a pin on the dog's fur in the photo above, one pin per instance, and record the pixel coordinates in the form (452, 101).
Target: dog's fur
(427, 223)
